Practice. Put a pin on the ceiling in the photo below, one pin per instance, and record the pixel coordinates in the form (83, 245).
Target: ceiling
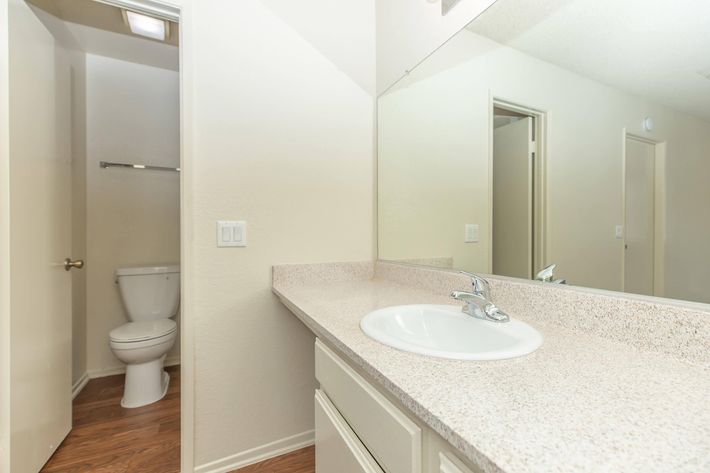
(98, 28)
(658, 49)
(97, 15)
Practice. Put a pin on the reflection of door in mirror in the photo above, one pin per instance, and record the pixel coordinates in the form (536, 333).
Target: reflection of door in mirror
(639, 210)
(512, 205)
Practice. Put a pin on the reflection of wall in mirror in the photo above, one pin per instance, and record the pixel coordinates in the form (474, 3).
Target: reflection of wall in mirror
(434, 139)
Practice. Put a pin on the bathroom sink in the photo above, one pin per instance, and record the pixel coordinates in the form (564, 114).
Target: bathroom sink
(444, 331)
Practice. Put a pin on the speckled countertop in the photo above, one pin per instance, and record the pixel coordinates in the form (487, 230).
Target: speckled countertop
(581, 403)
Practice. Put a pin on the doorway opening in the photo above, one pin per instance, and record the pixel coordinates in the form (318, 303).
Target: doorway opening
(517, 195)
(644, 215)
(95, 159)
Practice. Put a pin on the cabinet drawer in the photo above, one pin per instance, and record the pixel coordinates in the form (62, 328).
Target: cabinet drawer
(450, 464)
(338, 450)
(392, 438)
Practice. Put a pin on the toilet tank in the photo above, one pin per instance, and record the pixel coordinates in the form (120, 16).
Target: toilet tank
(150, 292)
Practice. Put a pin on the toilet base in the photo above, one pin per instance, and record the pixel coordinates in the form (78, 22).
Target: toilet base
(145, 384)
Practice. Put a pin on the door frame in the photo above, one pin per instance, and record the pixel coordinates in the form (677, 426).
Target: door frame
(5, 365)
(659, 210)
(182, 14)
(164, 9)
(540, 218)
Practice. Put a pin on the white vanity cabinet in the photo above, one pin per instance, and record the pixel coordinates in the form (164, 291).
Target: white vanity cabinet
(359, 429)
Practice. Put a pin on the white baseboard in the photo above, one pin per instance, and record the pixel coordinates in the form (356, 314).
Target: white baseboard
(79, 385)
(112, 371)
(255, 455)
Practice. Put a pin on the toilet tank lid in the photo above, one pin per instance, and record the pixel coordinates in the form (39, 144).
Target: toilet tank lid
(143, 270)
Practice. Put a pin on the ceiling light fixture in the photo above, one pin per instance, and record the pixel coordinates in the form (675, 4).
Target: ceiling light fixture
(147, 26)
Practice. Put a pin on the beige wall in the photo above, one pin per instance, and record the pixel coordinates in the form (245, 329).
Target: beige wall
(687, 275)
(342, 31)
(434, 138)
(407, 32)
(432, 172)
(133, 217)
(282, 137)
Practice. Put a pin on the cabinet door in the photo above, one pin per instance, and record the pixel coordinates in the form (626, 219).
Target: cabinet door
(338, 450)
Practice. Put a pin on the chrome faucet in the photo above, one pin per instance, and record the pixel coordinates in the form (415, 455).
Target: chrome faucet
(478, 302)
(548, 275)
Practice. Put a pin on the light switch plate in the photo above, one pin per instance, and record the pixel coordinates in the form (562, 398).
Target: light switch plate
(619, 232)
(231, 233)
(471, 233)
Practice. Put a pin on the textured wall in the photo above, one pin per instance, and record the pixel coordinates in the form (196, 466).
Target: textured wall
(133, 217)
(282, 137)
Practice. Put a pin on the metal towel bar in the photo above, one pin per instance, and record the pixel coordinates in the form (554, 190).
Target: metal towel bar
(107, 164)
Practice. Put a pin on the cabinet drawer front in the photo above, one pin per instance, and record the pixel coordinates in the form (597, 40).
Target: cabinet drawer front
(450, 464)
(392, 438)
(338, 450)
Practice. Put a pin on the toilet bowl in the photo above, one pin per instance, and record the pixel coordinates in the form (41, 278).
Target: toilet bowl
(151, 297)
(142, 347)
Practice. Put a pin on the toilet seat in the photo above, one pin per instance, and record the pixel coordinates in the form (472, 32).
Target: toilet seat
(145, 331)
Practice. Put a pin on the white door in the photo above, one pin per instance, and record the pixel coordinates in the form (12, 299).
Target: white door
(513, 149)
(639, 226)
(40, 239)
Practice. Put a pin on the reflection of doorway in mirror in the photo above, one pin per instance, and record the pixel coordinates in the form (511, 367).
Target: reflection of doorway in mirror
(516, 200)
(643, 216)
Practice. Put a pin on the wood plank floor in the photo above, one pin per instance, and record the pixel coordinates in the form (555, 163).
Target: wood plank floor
(107, 438)
(300, 461)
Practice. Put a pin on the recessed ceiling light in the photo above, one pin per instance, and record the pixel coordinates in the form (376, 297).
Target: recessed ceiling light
(147, 26)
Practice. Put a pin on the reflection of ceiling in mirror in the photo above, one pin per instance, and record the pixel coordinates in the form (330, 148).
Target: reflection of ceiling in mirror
(657, 49)
(447, 5)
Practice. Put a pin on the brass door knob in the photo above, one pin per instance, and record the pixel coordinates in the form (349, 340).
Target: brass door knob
(69, 264)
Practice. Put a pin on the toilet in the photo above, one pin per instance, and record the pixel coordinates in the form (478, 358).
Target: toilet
(151, 296)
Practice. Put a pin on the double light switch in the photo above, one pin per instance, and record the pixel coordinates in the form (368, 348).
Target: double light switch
(231, 233)
(471, 233)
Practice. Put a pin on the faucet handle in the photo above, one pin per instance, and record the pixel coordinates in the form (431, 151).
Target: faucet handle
(480, 285)
(546, 274)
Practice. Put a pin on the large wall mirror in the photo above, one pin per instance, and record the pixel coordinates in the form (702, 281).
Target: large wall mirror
(567, 132)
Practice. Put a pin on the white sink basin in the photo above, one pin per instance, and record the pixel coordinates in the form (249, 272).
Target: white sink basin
(446, 332)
